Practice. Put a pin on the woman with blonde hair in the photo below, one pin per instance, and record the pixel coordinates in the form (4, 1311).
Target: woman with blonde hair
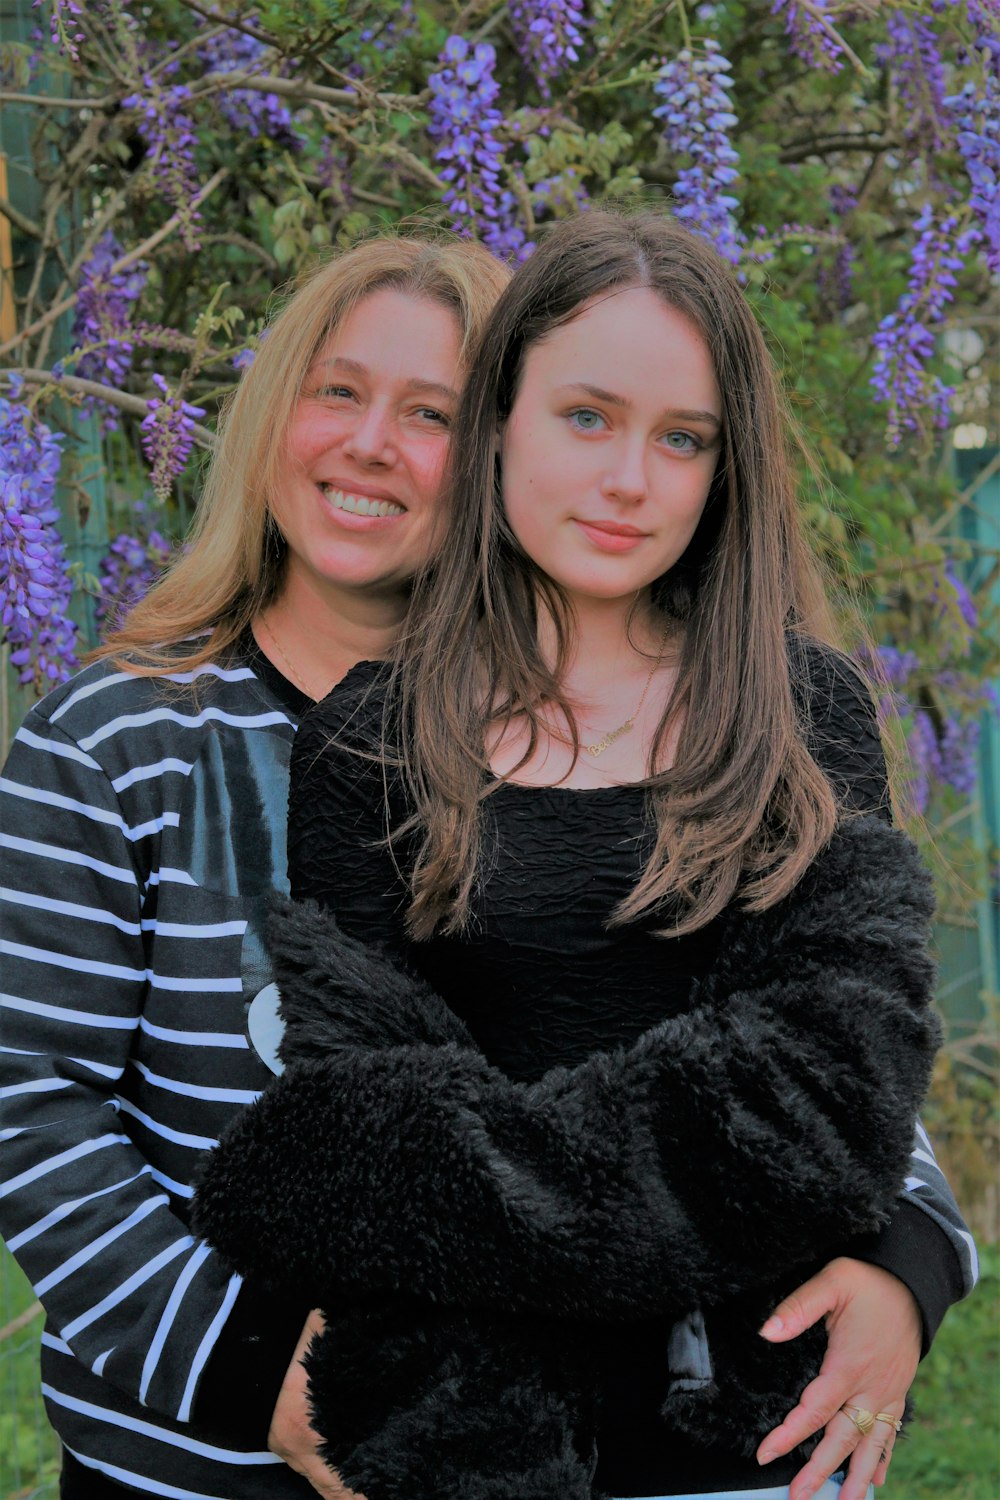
(608, 1000)
(144, 808)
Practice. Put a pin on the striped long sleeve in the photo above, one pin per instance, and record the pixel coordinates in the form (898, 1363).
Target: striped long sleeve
(141, 832)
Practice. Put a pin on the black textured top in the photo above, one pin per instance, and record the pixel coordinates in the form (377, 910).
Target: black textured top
(550, 982)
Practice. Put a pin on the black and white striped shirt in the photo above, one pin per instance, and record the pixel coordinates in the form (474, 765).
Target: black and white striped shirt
(142, 828)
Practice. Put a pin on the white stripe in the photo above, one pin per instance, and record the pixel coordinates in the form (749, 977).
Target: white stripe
(203, 984)
(913, 1183)
(104, 1070)
(194, 929)
(20, 1052)
(147, 773)
(56, 747)
(973, 1256)
(166, 876)
(195, 1142)
(65, 1209)
(196, 1090)
(121, 1293)
(89, 689)
(917, 1155)
(70, 961)
(205, 1348)
(98, 1366)
(923, 1136)
(69, 909)
(194, 1038)
(179, 1189)
(182, 1440)
(77, 1017)
(87, 810)
(87, 1252)
(70, 857)
(186, 721)
(166, 1322)
(209, 669)
(36, 1086)
(42, 1169)
(51, 1342)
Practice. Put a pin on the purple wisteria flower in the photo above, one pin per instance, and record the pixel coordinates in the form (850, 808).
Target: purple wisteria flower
(904, 340)
(103, 327)
(168, 132)
(64, 26)
(697, 116)
(811, 34)
(35, 585)
(246, 110)
(129, 569)
(958, 754)
(464, 119)
(976, 113)
(913, 51)
(548, 35)
(167, 436)
(836, 283)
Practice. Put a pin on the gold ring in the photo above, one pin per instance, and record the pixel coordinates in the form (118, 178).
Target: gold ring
(863, 1419)
(886, 1416)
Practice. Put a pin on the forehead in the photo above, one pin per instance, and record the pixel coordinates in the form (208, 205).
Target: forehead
(396, 334)
(631, 340)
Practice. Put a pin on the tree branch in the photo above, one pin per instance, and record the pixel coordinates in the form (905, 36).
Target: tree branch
(136, 406)
(20, 220)
(119, 265)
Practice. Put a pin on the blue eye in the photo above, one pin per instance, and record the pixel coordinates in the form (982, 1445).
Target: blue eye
(585, 419)
(334, 392)
(681, 442)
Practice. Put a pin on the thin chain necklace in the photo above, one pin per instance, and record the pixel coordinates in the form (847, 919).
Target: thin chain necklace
(291, 668)
(615, 734)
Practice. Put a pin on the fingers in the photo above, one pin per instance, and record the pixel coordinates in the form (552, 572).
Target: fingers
(844, 1447)
(818, 1404)
(801, 1309)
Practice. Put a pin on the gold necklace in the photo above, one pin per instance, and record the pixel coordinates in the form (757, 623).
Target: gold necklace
(615, 734)
(277, 646)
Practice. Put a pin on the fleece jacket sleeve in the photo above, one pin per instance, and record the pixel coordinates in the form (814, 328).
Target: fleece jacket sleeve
(726, 1144)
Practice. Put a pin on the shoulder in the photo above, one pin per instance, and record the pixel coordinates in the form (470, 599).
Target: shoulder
(839, 723)
(107, 695)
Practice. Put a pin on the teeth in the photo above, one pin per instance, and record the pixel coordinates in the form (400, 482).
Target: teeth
(360, 505)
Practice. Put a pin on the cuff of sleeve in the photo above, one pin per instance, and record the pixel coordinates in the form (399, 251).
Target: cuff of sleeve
(921, 1255)
(246, 1369)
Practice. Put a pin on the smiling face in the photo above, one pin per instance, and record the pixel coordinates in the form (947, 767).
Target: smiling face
(366, 447)
(611, 445)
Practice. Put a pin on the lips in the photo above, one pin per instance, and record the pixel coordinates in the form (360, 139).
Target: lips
(611, 536)
(613, 528)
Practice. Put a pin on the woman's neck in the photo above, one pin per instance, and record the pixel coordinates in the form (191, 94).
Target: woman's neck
(314, 633)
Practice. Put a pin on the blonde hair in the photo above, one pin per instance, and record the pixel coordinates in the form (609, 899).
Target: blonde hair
(234, 562)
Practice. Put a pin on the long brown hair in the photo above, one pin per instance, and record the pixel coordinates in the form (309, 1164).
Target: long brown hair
(235, 562)
(744, 808)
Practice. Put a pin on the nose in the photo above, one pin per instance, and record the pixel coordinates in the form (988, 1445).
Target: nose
(372, 439)
(625, 477)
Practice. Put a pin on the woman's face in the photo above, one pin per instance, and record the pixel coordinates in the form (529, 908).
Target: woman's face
(366, 446)
(611, 445)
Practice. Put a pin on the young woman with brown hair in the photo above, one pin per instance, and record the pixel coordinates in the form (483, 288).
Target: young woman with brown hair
(620, 808)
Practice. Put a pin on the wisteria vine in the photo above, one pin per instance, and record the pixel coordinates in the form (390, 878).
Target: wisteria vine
(464, 119)
(35, 584)
(697, 116)
(548, 35)
(167, 436)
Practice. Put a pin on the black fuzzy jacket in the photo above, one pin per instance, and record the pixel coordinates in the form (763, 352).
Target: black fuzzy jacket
(465, 1233)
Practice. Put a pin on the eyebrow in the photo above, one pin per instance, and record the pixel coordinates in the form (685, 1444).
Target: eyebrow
(609, 397)
(416, 384)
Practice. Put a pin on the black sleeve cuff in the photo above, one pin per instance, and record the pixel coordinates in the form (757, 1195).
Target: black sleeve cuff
(245, 1371)
(921, 1255)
